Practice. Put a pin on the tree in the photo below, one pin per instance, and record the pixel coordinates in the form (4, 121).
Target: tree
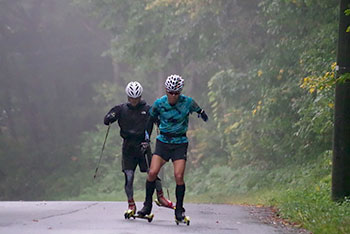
(341, 138)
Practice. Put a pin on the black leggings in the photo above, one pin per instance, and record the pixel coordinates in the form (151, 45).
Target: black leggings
(129, 181)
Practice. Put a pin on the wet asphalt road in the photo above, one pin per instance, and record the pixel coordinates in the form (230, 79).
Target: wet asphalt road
(108, 218)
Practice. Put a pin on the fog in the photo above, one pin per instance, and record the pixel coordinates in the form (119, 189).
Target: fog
(51, 56)
(254, 66)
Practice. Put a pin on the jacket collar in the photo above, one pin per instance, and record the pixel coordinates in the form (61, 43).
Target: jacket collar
(138, 106)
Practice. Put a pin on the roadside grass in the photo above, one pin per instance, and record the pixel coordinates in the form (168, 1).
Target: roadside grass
(315, 210)
(301, 193)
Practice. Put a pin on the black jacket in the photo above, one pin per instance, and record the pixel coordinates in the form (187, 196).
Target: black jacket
(132, 120)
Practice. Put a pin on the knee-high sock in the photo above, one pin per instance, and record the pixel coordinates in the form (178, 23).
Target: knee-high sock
(180, 193)
(129, 180)
(150, 186)
(159, 185)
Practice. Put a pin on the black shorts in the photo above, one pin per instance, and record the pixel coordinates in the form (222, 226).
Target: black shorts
(171, 151)
(133, 156)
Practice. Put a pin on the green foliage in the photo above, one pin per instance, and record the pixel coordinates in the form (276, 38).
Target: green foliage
(310, 203)
(344, 78)
(347, 12)
(252, 71)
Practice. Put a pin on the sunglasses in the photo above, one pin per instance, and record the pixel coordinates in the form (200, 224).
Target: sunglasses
(173, 93)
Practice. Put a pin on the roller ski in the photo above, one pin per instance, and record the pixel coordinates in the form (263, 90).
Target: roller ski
(131, 213)
(161, 201)
(180, 217)
(148, 217)
(144, 213)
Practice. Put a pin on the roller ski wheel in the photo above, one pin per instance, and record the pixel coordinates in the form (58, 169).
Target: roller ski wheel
(129, 214)
(149, 217)
(180, 217)
(170, 204)
(185, 220)
(145, 213)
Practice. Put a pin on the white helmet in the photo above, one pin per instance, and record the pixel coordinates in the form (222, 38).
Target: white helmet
(174, 83)
(134, 89)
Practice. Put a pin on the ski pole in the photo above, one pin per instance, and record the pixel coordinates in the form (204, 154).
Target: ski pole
(103, 147)
(145, 150)
(168, 193)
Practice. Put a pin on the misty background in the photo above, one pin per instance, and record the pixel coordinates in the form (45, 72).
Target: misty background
(262, 70)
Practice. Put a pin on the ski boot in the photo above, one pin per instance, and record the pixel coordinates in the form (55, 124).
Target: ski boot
(146, 210)
(180, 217)
(145, 213)
(131, 209)
(162, 201)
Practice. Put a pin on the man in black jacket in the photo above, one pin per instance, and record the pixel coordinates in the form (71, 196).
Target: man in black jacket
(132, 118)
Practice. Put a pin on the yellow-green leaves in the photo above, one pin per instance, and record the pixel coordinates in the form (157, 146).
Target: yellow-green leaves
(347, 12)
(257, 108)
(324, 82)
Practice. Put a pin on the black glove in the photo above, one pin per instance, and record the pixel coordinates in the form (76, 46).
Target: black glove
(109, 118)
(203, 115)
(144, 146)
(146, 143)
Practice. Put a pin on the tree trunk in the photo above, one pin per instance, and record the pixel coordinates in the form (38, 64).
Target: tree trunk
(341, 137)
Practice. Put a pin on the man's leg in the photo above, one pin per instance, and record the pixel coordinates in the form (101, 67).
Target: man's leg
(179, 171)
(156, 164)
(129, 190)
(145, 164)
(129, 180)
(129, 163)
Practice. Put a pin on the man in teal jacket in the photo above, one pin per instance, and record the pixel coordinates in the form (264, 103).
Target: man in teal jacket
(172, 110)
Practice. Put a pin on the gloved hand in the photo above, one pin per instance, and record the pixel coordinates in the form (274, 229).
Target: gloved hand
(203, 115)
(144, 145)
(109, 118)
